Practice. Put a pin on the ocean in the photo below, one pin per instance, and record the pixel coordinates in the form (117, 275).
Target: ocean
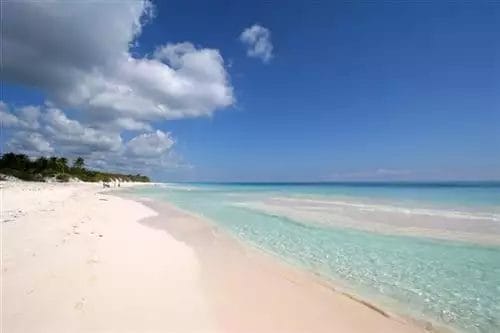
(427, 250)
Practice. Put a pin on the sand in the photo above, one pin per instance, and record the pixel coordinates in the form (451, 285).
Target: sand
(76, 258)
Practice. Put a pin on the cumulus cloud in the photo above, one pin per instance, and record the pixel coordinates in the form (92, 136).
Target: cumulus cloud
(258, 42)
(150, 144)
(30, 143)
(27, 119)
(127, 124)
(6, 118)
(79, 54)
(71, 135)
(53, 128)
(82, 56)
(101, 147)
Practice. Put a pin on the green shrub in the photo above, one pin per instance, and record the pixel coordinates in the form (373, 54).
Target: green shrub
(22, 167)
(62, 177)
(22, 174)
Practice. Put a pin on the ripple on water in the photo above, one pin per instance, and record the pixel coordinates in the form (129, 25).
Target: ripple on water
(451, 283)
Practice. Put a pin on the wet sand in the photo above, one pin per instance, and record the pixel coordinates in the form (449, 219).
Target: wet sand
(251, 291)
(77, 258)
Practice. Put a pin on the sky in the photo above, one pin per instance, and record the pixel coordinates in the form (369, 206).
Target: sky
(256, 91)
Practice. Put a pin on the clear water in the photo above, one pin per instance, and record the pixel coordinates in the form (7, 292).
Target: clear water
(448, 282)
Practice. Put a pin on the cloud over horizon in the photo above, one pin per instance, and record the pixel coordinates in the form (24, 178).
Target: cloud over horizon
(257, 39)
(79, 55)
(101, 148)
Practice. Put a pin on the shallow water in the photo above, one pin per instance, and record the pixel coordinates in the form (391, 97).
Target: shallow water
(328, 229)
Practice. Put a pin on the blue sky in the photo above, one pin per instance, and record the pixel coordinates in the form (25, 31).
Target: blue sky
(352, 92)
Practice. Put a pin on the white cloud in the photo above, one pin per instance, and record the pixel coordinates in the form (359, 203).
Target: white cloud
(71, 135)
(258, 42)
(81, 56)
(56, 130)
(27, 118)
(128, 124)
(105, 148)
(29, 115)
(7, 119)
(150, 144)
(30, 143)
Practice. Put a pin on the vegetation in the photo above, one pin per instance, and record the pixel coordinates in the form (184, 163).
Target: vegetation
(22, 167)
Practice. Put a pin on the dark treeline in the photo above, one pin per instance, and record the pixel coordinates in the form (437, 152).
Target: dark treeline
(25, 168)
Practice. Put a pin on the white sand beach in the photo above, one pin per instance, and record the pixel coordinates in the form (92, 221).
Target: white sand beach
(77, 259)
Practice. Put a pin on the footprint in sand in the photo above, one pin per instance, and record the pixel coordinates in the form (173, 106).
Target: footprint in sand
(79, 305)
(93, 261)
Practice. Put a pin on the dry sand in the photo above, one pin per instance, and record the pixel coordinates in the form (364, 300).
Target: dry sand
(77, 260)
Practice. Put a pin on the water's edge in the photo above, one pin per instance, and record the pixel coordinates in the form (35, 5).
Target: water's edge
(328, 282)
(378, 242)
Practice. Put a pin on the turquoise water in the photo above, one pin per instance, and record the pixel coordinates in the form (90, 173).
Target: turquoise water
(448, 282)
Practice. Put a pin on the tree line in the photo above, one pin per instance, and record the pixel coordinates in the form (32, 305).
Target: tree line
(23, 167)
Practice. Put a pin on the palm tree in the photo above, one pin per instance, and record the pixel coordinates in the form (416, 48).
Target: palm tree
(41, 163)
(12, 161)
(79, 163)
(62, 164)
(53, 163)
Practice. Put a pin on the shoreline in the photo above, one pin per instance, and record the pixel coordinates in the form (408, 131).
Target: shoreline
(272, 263)
(76, 257)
